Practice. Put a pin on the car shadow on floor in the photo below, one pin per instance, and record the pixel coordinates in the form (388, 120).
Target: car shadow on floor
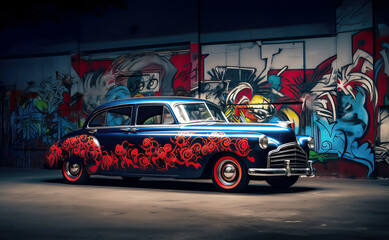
(255, 187)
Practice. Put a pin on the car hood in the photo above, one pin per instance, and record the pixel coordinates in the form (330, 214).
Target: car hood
(275, 131)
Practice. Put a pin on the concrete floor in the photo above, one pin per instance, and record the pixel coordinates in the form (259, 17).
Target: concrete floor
(37, 204)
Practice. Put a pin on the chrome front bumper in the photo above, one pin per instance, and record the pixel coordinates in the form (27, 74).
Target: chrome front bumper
(286, 171)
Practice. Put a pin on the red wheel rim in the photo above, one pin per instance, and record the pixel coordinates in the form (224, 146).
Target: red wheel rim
(69, 175)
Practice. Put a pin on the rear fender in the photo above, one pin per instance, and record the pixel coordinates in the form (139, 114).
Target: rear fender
(82, 148)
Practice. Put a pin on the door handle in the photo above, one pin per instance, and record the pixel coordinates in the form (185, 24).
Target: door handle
(92, 131)
(131, 130)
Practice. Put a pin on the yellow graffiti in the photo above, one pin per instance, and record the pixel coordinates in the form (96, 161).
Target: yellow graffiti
(259, 109)
(291, 115)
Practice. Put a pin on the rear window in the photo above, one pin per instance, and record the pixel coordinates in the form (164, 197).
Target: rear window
(119, 116)
(98, 120)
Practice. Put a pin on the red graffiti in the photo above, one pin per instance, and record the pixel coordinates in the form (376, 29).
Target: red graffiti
(82, 146)
(187, 151)
(53, 155)
(183, 150)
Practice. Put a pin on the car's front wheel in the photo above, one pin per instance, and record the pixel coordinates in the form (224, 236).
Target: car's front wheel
(282, 182)
(75, 172)
(230, 175)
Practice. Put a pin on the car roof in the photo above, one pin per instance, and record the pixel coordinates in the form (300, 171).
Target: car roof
(156, 99)
(171, 100)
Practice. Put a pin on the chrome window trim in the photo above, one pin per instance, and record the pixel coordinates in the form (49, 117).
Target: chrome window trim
(132, 105)
(157, 126)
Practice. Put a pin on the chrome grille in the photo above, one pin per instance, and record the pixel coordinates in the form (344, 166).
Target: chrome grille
(289, 151)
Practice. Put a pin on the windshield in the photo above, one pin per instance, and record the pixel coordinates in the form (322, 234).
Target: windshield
(196, 112)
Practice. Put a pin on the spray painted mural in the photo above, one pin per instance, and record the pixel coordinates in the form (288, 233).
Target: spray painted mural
(312, 83)
(51, 106)
(333, 102)
(133, 75)
(381, 78)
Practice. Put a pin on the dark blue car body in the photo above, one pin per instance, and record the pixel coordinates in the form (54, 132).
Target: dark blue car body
(117, 140)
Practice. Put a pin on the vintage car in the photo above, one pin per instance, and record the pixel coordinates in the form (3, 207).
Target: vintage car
(179, 137)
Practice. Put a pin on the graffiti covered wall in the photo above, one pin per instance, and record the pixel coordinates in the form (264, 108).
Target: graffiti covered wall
(327, 93)
(32, 100)
(325, 86)
(333, 88)
(45, 98)
(381, 78)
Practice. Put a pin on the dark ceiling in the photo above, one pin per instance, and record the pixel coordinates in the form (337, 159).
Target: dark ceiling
(24, 13)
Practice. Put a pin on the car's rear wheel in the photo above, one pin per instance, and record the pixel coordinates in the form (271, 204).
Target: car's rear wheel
(230, 175)
(75, 172)
(282, 182)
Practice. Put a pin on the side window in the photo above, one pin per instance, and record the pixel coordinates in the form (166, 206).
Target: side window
(197, 111)
(119, 116)
(150, 115)
(98, 120)
(167, 116)
(216, 112)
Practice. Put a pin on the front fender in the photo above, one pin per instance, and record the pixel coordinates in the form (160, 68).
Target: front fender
(243, 146)
(303, 142)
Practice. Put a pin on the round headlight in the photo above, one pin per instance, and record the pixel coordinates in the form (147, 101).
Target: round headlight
(263, 142)
(311, 143)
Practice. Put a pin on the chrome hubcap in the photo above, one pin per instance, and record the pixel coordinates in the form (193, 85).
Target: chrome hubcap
(227, 172)
(74, 168)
